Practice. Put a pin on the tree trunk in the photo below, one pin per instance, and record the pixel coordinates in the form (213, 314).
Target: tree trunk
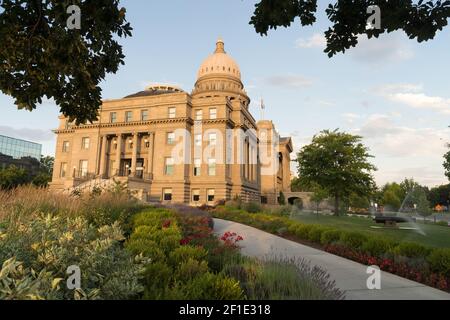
(336, 205)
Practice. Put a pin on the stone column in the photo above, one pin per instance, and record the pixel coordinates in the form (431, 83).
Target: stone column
(103, 156)
(134, 154)
(151, 137)
(118, 154)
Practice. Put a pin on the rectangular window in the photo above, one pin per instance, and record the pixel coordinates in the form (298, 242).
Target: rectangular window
(199, 114)
(212, 139)
(195, 195)
(213, 113)
(211, 195)
(197, 167)
(66, 146)
(198, 140)
(113, 117)
(167, 194)
(128, 116)
(144, 115)
(83, 168)
(63, 170)
(170, 138)
(212, 167)
(85, 142)
(169, 166)
(172, 112)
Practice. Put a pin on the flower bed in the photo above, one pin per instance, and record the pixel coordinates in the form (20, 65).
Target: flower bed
(430, 266)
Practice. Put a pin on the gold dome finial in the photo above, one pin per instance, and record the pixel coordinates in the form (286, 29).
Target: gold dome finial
(220, 46)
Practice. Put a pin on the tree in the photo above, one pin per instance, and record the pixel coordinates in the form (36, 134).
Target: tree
(359, 203)
(391, 200)
(47, 163)
(447, 163)
(40, 57)
(12, 177)
(416, 202)
(420, 21)
(392, 196)
(300, 185)
(337, 162)
(319, 195)
(439, 196)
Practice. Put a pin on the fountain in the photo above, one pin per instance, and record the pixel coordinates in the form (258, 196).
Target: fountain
(409, 207)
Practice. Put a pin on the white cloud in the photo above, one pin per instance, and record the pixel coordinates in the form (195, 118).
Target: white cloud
(317, 40)
(390, 139)
(351, 118)
(385, 49)
(289, 81)
(412, 95)
(37, 135)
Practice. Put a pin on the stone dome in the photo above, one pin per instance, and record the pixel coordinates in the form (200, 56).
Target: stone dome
(219, 63)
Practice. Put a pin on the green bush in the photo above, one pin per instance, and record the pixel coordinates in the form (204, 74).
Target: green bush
(252, 207)
(353, 240)
(190, 269)
(439, 260)
(315, 233)
(411, 250)
(330, 236)
(146, 247)
(184, 253)
(302, 231)
(378, 246)
(152, 217)
(210, 286)
(157, 276)
(48, 245)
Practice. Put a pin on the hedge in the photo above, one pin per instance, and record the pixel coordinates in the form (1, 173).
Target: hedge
(437, 260)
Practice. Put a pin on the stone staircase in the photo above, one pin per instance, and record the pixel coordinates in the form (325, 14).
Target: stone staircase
(93, 184)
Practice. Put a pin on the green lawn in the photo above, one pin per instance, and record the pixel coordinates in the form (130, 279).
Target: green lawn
(435, 236)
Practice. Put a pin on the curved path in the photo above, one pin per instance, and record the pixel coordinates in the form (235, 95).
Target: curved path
(350, 276)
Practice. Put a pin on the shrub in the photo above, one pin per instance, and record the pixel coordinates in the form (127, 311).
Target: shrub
(252, 207)
(190, 269)
(353, 240)
(281, 279)
(377, 246)
(49, 244)
(152, 217)
(185, 253)
(439, 260)
(442, 223)
(315, 233)
(330, 236)
(210, 286)
(411, 250)
(146, 247)
(303, 231)
(157, 276)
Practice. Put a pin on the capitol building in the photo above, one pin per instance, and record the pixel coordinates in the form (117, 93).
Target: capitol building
(170, 146)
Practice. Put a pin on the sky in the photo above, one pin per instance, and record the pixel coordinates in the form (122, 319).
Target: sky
(392, 91)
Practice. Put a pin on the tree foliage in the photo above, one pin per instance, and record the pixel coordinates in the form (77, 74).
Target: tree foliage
(419, 20)
(41, 58)
(447, 164)
(439, 196)
(337, 162)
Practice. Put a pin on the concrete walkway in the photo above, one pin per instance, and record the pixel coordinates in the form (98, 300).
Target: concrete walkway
(350, 276)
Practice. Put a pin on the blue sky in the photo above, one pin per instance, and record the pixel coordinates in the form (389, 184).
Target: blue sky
(392, 91)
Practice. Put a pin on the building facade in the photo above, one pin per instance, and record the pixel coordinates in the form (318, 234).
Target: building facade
(20, 153)
(173, 146)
